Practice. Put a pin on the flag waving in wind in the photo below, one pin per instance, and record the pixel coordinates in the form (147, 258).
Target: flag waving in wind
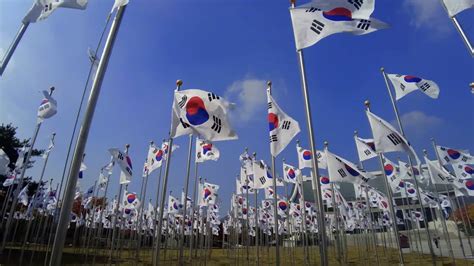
(454, 156)
(125, 164)
(41, 9)
(206, 150)
(455, 7)
(387, 138)
(311, 23)
(365, 148)
(282, 127)
(201, 113)
(404, 84)
(341, 170)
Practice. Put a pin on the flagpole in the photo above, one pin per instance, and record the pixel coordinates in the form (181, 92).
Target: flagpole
(442, 218)
(390, 199)
(458, 27)
(193, 208)
(256, 211)
(28, 227)
(20, 183)
(315, 171)
(457, 201)
(13, 45)
(371, 227)
(82, 140)
(163, 196)
(275, 205)
(188, 171)
(400, 126)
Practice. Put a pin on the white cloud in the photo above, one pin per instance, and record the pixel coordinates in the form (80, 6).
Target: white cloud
(250, 97)
(418, 124)
(428, 14)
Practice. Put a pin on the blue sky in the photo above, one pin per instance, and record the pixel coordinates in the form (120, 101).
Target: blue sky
(232, 49)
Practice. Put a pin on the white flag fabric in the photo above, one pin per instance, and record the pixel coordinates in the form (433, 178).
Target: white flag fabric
(365, 148)
(341, 170)
(242, 187)
(466, 185)
(23, 196)
(81, 170)
(311, 24)
(125, 164)
(438, 174)
(269, 192)
(9, 180)
(4, 162)
(50, 147)
(455, 7)
(208, 194)
(119, 3)
(41, 9)
(396, 183)
(130, 200)
(154, 159)
(201, 113)
(282, 128)
(206, 150)
(387, 138)
(404, 84)
(174, 205)
(359, 9)
(305, 156)
(463, 171)
(454, 156)
(262, 177)
(291, 174)
(47, 108)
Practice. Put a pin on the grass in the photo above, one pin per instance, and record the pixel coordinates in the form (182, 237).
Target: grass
(289, 256)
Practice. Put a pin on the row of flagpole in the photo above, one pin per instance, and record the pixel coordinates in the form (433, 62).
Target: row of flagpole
(71, 184)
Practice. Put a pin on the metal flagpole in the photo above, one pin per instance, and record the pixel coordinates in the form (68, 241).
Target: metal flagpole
(361, 165)
(459, 234)
(16, 192)
(28, 227)
(442, 218)
(13, 45)
(397, 115)
(116, 215)
(188, 171)
(163, 196)
(82, 140)
(275, 205)
(193, 208)
(460, 30)
(315, 171)
(390, 200)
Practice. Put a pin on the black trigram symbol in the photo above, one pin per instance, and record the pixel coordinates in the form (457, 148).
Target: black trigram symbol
(312, 9)
(446, 159)
(262, 180)
(212, 96)
(317, 26)
(270, 105)
(286, 124)
(273, 138)
(357, 3)
(364, 24)
(184, 124)
(217, 126)
(48, 7)
(342, 172)
(183, 101)
(367, 152)
(425, 86)
(394, 138)
(120, 156)
(402, 87)
(464, 158)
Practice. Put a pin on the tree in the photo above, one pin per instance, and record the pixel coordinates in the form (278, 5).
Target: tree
(10, 144)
